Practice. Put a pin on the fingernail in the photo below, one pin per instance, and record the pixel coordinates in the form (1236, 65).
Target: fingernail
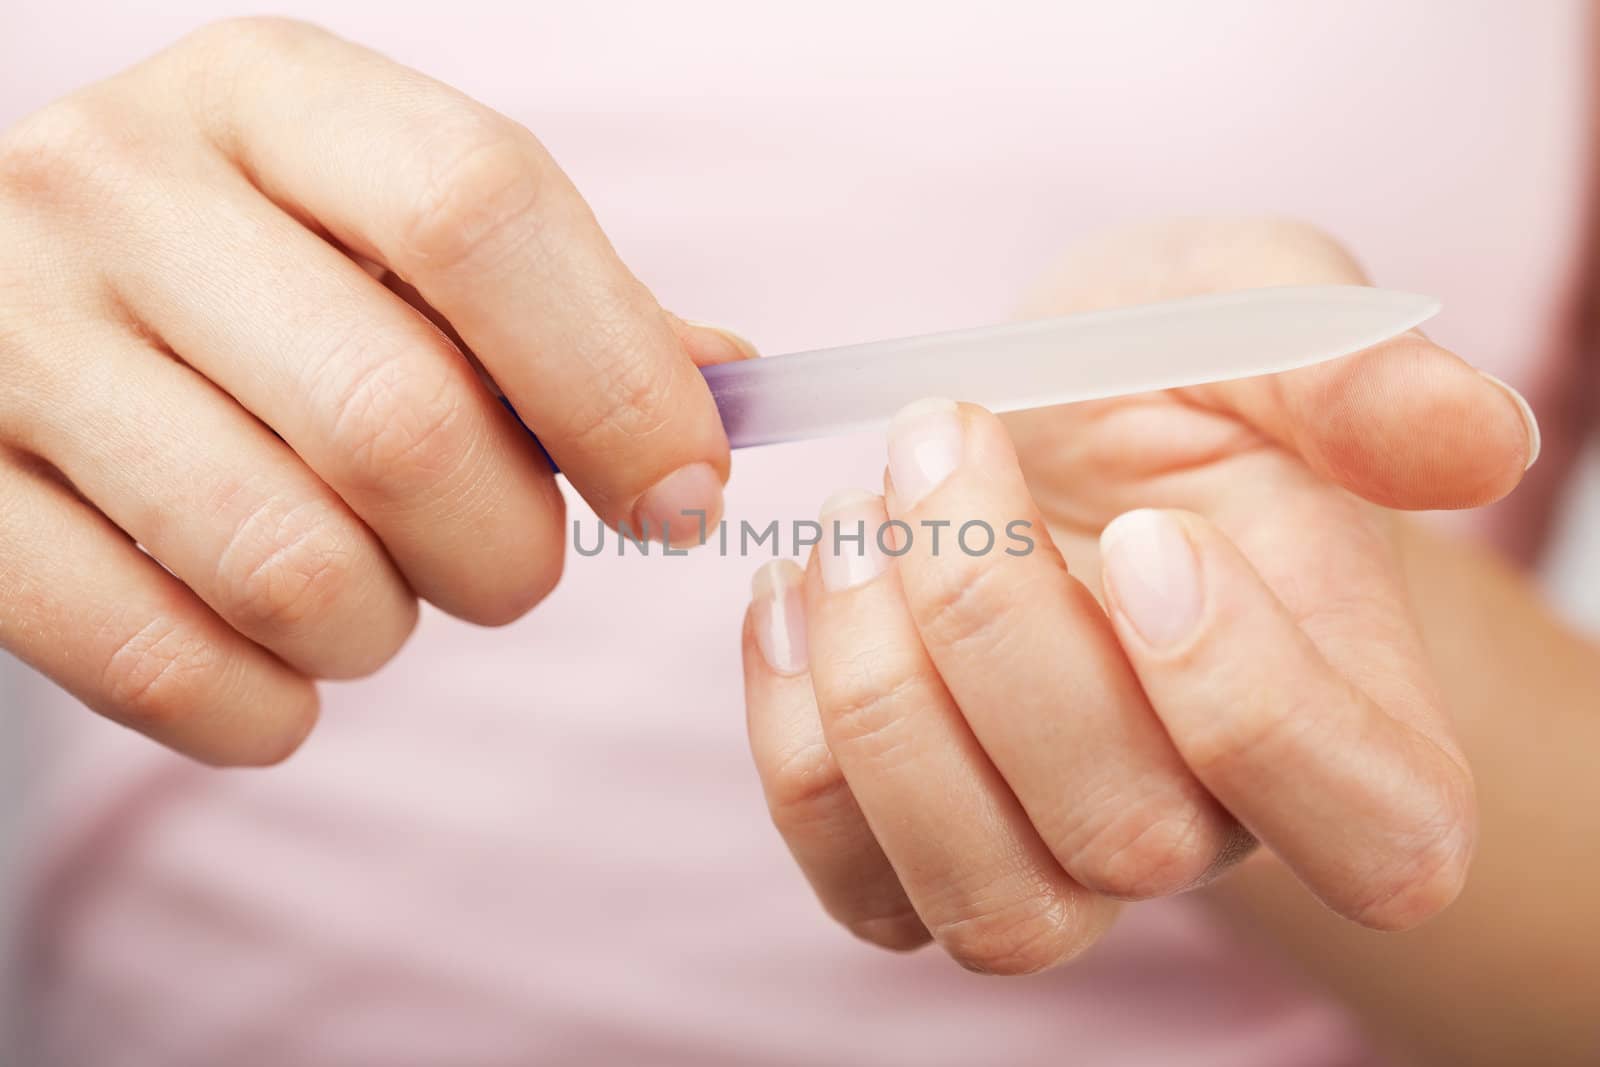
(779, 609)
(1152, 575)
(680, 507)
(716, 344)
(849, 549)
(924, 448)
(1529, 421)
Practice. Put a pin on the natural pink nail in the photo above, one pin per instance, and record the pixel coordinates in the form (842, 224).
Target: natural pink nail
(849, 552)
(710, 344)
(924, 448)
(680, 506)
(1152, 575)
(779, 613)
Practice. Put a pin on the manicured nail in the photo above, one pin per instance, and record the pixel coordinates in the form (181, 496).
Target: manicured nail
(1152, 575)
(924, 448)
(714, 344)
(669, 511)
(1529, 421)
(778, 606)
(849, 551)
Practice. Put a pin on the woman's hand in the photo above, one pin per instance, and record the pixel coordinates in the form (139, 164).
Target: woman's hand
(993, 747)
(239, 289)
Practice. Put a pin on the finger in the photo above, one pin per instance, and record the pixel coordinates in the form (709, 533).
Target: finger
(1405, 424)
(370, 396)
(983, 882)
(810, 802)
(219, 501)
(88, 609)
(1373, 812)
(1031, 659)
(709, 345)
(705, 344)
(468, 207)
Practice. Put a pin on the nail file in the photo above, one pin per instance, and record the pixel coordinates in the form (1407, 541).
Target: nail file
(1037, 363)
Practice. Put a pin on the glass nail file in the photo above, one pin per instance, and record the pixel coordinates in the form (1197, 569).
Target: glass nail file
(1088, 356)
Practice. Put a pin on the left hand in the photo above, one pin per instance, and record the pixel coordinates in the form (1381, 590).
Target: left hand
(993, 749)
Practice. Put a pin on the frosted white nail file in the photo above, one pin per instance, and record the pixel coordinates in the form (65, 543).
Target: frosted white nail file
(1088, 356)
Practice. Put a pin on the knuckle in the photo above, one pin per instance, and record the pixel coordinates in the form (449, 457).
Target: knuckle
(864, 707)
(1302, 248)
(215, 67)
(482, 197)
(630, 397)
(270, 35)
(1257, 250)
(1020, 937)
(285, 567)
(967, 605)
(1228, 746)
(1145, 850)
(19, 370)
(394, 427)
(65, 154)
(154, 678)
(804, 787)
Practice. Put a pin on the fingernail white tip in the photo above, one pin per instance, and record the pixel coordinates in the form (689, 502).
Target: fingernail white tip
(917, 409)
(771, 576)
(1530, 421)
(739, 339)
(1120, 526)
(845, 498)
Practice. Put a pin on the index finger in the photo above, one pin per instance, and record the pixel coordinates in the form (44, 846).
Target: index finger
(468, 207)
(1405, 424)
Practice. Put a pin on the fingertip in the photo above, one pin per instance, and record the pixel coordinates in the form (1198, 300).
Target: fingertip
(383, 637)
(931, 440)
(680, 508)
(774, 575)
(989, 441)
(1530, 421)
(305, 718)
(777, 617)
(1405, 424)
(281, 734)
(1410, 425)
(1152, 577)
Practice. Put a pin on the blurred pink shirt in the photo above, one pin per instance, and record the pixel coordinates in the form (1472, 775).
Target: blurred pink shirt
(547, 843)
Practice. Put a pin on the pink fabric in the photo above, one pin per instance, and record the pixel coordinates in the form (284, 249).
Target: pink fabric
(546, 843)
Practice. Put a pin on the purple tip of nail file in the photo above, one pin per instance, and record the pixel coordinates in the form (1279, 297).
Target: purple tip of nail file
(1042, 362)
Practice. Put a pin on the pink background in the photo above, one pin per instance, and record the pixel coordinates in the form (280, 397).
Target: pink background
(546, 843)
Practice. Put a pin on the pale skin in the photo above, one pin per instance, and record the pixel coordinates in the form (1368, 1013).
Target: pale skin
(234, 329)
(994, 753)
(243, 290)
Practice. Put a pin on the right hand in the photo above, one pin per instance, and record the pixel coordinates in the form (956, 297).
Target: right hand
(239, 288)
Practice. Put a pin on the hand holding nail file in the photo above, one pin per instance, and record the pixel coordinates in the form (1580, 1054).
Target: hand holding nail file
(1090, 356)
